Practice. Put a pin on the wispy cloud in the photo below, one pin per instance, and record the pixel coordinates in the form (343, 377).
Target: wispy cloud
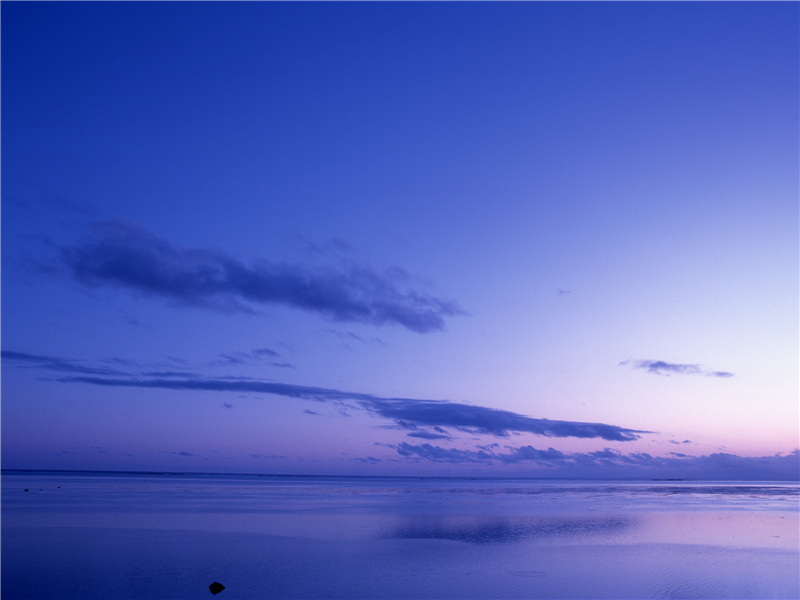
(69, 365)
(349, 336)
(661, 367)
(130, 368)
(405, 412)
(370, 460)
(51, 363)
(122, 254)
(256, 356)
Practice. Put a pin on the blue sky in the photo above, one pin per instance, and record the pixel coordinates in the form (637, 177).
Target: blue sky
(537, 239)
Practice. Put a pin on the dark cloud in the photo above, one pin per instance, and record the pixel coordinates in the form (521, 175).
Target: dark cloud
(484, 454)
(428, 435)
(530, 453)
(480, 419)
(122, 254)
(447, 455)
(660, 367)
(406, 413)
(167, 374)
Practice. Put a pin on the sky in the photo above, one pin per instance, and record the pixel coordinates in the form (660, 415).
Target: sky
(486, 239)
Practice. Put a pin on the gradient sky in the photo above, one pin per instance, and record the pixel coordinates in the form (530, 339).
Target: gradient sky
(537, 239)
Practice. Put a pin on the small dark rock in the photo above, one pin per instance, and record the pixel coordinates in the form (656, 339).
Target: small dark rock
(216, 587)
(26, 489)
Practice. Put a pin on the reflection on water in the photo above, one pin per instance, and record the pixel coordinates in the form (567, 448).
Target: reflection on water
(494, 530)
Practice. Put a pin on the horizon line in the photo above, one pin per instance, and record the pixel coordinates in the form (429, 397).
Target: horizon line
(362, 476)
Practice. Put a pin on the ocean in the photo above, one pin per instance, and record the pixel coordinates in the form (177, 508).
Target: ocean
(105, 535)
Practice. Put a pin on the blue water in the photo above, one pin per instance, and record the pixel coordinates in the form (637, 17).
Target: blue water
(122, 535)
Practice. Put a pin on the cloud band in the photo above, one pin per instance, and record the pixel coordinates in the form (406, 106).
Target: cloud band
(407, 413)
(122, 254)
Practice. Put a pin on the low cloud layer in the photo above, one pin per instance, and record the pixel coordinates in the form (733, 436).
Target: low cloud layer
(552, 462)
(661, 367)
(121, 254)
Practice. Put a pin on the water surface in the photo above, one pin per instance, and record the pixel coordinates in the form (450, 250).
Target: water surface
(112, 535)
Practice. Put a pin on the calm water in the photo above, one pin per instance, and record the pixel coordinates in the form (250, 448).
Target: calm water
(107, 535)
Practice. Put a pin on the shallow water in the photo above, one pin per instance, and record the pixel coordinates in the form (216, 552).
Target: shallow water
(79, 535)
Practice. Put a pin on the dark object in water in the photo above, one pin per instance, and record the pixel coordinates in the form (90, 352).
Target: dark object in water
(216, 587)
